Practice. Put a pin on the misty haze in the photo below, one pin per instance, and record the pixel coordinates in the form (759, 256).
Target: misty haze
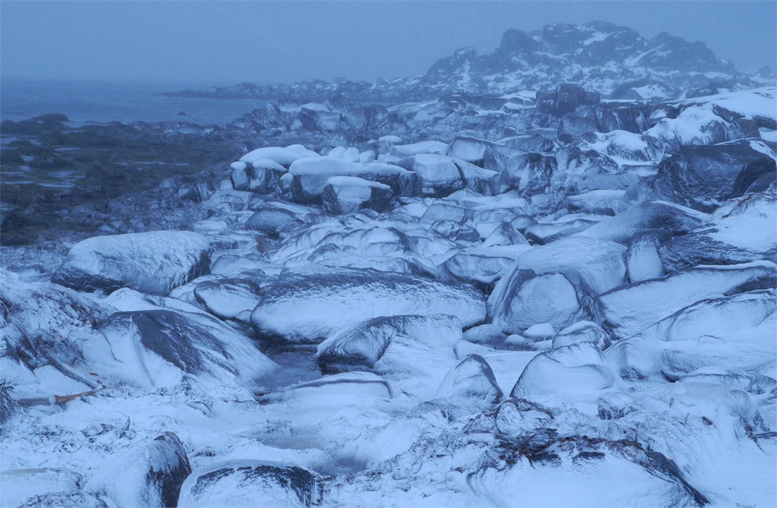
(401, 254)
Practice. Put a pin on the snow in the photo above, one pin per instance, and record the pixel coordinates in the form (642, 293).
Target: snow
(423, 354)
(153, 262)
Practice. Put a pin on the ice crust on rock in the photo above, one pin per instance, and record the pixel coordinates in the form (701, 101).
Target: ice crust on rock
(327, 302)
(154, 262)
(628, 310)
(248, 484)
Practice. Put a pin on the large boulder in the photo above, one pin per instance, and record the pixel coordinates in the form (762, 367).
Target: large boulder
(159, 348)
(738, 232)
(629, 310)
(270, 221)
(327, 302)
(349, 194)
(149, 476)
(438, 174)
(471, 382)
(524, 298)
(310, 176)
(228, 298)
(248, 484)
(727, 335)
(650, 217)
(154, 262)
(575, 372)
(261, 176)
(282, 156)
(703, 177)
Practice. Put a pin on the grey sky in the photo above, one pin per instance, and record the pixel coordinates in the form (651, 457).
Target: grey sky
(227, 42)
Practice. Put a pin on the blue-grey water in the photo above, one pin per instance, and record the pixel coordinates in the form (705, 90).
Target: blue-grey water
(102, 102)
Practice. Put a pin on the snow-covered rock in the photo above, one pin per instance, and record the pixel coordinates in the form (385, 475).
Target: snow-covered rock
(740, 231)
(576, 372)
(582, 331)
(159, 348)
(703, 177)
(327, 302)
(310, 175)
(629, 310)
(271, 220)
(422, 147)
(150, 475)
(642, 259)
(282, 156)
(229, 298)
(438, 174)
(733, 333)
(375, 344)
(153, 262)
(348, 194)
(524, 298)
(471, 382)
(248, 484)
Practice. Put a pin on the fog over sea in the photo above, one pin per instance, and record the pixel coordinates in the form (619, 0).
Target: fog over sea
(126, 102)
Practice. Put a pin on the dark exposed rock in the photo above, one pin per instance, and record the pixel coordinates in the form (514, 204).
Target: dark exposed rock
(702, 177)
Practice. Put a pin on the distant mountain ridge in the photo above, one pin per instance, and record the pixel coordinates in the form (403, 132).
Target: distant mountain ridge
(613, 60)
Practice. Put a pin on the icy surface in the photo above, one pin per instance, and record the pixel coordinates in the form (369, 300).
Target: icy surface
(153, 262)
(539, 298)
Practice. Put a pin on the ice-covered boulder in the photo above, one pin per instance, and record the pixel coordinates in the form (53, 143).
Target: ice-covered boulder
(349, 194)
(327, 302)
(229, 298)
(740, 231)
(477, 179)
(272, 220)
(654, 216)
(483, 265)
(261, 176)
(530, 172)
(605, 202)
(593, 266)
(422, 147)
(728, 334)
(158, 348)
(150, 475)
(311, 175)
(629, 310)
(504, 234)
(438, 174)
(282, 156)
(642, 259)
(703, 177)
(386, 142)
(523, 298)
(468, 148)
(153, 262)
(248, 484)
(582, 331)
(446, 211)
(30, 487)
(377, 343)
(471, 383)
(576, 372)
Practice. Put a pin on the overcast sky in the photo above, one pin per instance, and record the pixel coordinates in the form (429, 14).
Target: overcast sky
(266, 42)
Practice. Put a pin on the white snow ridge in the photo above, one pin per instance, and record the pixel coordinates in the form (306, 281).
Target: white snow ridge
(533, 300)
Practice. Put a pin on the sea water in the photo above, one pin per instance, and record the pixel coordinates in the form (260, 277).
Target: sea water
(125, 102)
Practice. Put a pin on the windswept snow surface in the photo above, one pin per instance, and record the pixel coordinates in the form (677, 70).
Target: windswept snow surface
(497, 316)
